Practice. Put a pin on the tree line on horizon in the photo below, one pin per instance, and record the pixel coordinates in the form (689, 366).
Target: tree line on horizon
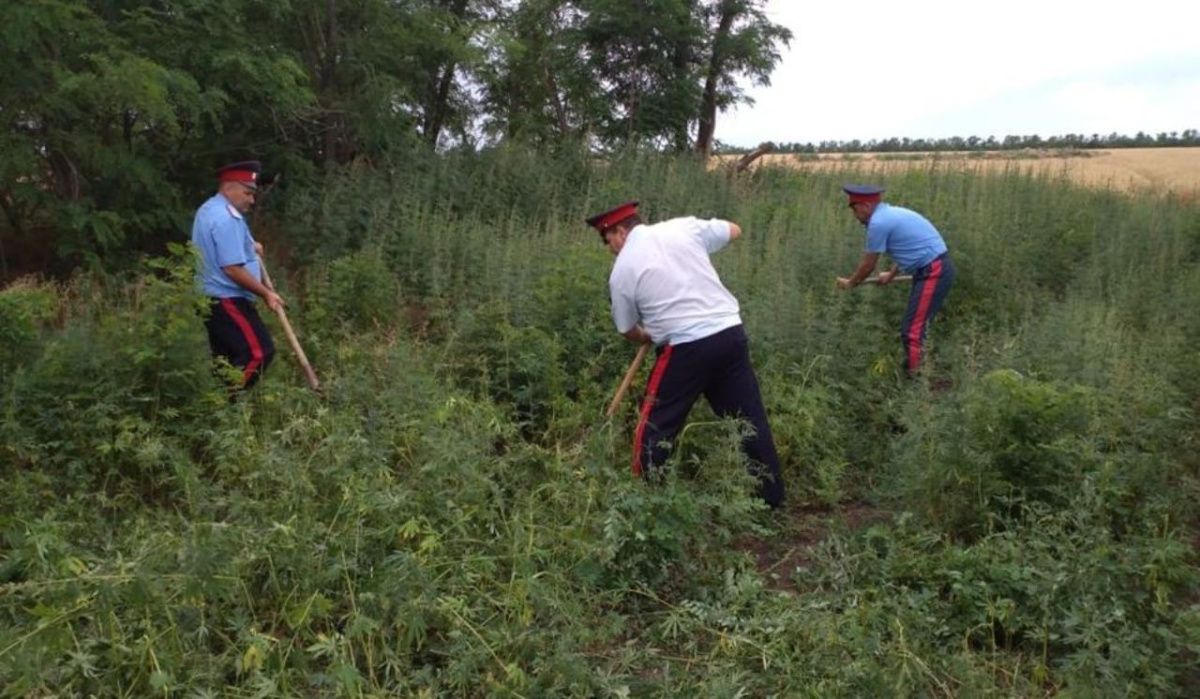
(117, 112)
(1185, 138)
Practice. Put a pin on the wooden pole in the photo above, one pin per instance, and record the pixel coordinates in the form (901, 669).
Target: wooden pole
(309, 374)
(628, 379)
(897, 278)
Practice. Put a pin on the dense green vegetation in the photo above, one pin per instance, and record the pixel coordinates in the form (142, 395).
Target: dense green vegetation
(455, 518)
(114, 114)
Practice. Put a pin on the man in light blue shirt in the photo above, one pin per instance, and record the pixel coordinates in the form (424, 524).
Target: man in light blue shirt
(230, 273)
(915, 247)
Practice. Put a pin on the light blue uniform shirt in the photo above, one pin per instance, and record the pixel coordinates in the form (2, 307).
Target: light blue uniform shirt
(906, 236)
(223, 238)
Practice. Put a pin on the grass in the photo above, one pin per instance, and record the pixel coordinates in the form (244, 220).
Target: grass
(455, 518)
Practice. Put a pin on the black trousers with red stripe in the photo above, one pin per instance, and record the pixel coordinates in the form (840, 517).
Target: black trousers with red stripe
(236, 333)
(718, 367)
(931, 284)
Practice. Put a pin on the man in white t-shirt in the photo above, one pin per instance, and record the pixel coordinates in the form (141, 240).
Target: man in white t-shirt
(665, 290)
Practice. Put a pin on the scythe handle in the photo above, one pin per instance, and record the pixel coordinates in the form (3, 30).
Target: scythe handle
(897, 278)
(309, 374)
(628, 379)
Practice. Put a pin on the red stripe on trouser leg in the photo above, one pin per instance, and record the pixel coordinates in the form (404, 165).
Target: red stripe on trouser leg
(918, 325)
(660, 368)
(256, 352)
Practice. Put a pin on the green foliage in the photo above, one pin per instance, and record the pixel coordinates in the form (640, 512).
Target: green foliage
(361, 291)
(24, 309)
(518, 366)
(1007, 439)
(658, 537)
(809, 436)
(118, 112)
(454, 516)
(1089, 611)
(98, 407)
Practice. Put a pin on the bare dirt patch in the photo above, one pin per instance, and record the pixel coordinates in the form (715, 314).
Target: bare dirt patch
(802, 529)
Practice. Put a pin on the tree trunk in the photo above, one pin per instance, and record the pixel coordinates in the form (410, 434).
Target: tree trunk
(708, 106)
(560, 110)
(437, 108)
(328, 64)
(14, 222)
(435, 115)
(681, 62)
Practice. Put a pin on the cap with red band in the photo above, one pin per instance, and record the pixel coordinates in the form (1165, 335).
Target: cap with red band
(612, 217)
(860, 193)
(245, 172)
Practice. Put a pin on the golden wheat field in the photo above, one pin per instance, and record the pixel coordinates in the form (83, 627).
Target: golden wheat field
(1128, 169)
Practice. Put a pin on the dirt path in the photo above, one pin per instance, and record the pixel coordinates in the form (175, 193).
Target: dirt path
(803, 528)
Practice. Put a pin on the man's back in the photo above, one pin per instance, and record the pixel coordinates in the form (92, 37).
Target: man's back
(907, 236)
(664, 277)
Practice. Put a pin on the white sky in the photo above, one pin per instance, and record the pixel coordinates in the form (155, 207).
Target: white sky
(940, 68)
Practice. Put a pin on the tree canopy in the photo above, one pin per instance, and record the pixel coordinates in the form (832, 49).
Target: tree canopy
(116, 112)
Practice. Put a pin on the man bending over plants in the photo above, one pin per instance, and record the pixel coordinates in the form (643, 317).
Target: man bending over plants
(230, 273)
(916, 247)
(665, 290)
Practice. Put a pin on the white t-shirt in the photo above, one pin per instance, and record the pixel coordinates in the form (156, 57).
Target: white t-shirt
(664, 279)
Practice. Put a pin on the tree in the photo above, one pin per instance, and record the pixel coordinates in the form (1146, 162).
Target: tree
(117, 112)
(650, 73)
(444, 101)
(633, 54)
(536, 87)
(90, 125)
(744, 43)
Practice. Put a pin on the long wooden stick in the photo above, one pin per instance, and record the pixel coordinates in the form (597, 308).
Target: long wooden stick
(897, 278)
(309, 374)
(628, 379)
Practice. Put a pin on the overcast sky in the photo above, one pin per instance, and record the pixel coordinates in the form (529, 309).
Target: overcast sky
(874, 69)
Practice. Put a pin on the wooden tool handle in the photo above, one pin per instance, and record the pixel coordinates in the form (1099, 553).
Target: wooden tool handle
(897, 278)
(628, 379)
(309, 374)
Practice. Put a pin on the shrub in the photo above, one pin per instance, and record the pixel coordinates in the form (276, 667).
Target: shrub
(25, 306)
(1007, 439)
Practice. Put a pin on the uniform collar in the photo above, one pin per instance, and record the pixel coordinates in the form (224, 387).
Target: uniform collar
(230, 207)
(878, 207)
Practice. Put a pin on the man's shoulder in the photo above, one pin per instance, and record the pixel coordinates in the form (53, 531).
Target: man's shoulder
(217, 210)
(620, 273)
(689, 229)
(888, 215)
(902, 212)
(885, 211)
(633, 260)
(679, 223)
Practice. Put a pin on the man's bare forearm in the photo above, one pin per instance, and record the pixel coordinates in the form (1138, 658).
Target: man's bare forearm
(865, 267)
(246, 280)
